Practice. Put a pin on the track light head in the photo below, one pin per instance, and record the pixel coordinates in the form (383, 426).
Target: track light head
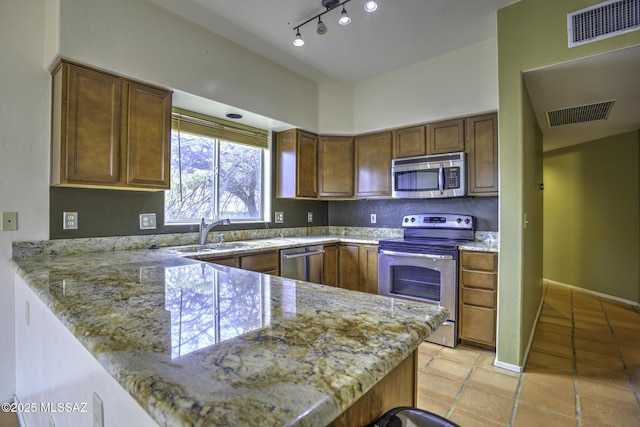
(370, 6)
(298, 40)
(344, 17)
(322, 28)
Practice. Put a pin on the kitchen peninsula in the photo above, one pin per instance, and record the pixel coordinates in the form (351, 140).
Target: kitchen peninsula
(201, 344)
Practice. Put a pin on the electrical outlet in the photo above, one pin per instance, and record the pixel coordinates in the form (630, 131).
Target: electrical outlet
(373, 218)
(279, 217)
(9, 221)
(98, 411)
(309, 216)
(70, 220)
(148, 221)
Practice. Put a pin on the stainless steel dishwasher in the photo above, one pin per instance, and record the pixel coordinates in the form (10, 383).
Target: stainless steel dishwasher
(303, 263)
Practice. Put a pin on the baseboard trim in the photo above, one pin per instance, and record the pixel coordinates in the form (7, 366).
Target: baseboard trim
(508, 366)
(595, 293)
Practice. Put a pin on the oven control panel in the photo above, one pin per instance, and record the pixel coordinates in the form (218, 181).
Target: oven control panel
(438, 221)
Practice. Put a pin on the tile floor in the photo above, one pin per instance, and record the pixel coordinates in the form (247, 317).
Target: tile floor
(583, 371)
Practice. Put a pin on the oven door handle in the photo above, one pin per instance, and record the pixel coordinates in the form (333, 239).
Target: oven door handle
(412, 255)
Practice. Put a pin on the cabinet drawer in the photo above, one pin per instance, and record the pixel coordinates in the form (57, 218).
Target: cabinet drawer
(478, 297)
(482, 261)
(477, 324)
(228, 261)
(266, 261)
(478, 279)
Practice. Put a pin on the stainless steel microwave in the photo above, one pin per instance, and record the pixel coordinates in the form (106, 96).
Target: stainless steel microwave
(427, 177)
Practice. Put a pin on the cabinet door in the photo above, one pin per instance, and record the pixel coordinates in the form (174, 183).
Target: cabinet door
(482, 155)
(369, 268)
(90, 126)
(409, 142)
(445, 137)
(147, 132)
(266, 262)
(477, 324)
(330, 265)
(297, 164)
(348, 267)
(373, 165)
(307, 165)
(335, 166)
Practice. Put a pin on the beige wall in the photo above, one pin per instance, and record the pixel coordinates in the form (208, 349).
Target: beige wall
(531, 34)
(591, 216)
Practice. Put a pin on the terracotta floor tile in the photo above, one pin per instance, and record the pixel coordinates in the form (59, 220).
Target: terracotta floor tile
(485, 404)
(550, 361)
(558, 329)
(496, 382)
(549, 398)
(427, 347)
(553, 338)
(603, 414)
(423, 360)
(622, 397)
(606, 348)
(593, 335)
(610, 374)
(560, 321)
(598, 358)
(434, 406)
(463, 354)
(438, 388)
(532, 416)
(448, 369)
(550, 377)
(554, 349)
(471, 419)
(591, 318)
(594, 327)
(622, 332)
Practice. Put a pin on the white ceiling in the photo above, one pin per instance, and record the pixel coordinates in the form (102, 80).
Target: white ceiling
(398, 34)
(404, 32)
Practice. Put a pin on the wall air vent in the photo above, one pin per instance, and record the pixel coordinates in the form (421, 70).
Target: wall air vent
(602, 21)
(580, 114)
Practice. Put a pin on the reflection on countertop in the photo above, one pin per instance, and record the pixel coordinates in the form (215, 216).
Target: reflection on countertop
(193, 341)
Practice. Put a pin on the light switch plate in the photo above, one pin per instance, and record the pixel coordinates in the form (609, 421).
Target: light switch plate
(148, 221)
(70, 220)
(9, 221)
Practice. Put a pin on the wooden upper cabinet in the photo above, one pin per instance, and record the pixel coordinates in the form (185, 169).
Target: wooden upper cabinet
(410, 142)
(445, 137)
(108, 131)
(148, 136)
(297, 153)
(335, 166)
(482, 155)
(373, 165)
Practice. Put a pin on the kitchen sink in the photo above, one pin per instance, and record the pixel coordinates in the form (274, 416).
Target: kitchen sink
(211, 247)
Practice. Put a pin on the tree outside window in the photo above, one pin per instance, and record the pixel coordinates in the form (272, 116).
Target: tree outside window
(213, 178)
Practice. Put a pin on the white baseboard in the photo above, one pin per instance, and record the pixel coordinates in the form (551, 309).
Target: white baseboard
(595, 293)
(508, 366)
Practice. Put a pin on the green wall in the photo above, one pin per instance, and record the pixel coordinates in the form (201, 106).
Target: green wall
(591, 211)
(531, 34)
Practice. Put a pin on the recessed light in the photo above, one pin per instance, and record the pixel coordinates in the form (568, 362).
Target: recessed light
(234, 115)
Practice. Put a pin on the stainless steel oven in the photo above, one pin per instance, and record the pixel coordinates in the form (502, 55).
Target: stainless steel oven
(423, 265)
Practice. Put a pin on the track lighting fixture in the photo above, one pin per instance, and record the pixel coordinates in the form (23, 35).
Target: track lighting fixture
(344, 19)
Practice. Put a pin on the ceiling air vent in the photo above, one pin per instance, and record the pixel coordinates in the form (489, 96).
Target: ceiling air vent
(603, 20)
(580, 114)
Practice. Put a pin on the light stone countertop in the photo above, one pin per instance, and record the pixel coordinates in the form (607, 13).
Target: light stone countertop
(281, 352)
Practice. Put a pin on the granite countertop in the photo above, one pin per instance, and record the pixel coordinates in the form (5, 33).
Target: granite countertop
(280, 352)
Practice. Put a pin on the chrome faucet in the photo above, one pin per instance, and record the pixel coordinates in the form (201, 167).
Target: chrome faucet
(204, 229)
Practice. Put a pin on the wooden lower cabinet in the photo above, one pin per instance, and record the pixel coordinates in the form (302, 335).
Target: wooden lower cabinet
(358, 267)
(478, 297)
(263, 262)
(398, 388)
(330, 265)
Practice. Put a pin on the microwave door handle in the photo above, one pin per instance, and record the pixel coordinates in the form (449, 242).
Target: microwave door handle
(441, 180)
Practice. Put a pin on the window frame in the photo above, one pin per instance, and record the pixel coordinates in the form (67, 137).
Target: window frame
(248, 135)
